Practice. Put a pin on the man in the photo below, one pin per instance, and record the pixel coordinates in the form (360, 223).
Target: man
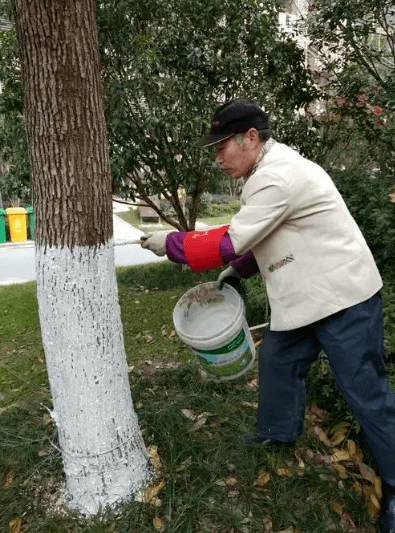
(321, 281)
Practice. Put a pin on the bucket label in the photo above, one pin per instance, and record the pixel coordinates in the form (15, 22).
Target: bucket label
(227, 360)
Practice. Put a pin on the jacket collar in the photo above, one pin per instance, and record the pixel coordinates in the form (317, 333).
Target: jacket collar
(266, 147)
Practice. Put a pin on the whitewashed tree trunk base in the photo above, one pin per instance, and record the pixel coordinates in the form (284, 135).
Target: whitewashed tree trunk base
(103, 452)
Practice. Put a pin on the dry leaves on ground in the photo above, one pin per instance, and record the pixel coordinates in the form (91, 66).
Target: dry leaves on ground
(347, 460)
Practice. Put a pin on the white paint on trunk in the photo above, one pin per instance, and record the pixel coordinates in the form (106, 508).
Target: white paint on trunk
(103, 452)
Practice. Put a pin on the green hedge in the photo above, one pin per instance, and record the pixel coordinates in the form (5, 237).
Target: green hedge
(367, 199)
(217, 210)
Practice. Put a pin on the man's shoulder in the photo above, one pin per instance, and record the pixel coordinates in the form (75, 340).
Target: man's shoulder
(279, 151)
(280, 161)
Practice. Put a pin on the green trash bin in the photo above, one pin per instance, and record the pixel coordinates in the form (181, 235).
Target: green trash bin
(30, 215)
(3, 236)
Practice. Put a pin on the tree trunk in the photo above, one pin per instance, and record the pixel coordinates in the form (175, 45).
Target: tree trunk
(103, 452)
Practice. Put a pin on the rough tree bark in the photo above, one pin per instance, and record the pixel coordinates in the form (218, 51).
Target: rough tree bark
(103, 453)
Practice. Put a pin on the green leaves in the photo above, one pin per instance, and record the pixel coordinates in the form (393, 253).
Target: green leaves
(167, 68)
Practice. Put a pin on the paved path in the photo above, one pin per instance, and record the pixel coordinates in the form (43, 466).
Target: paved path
(17, 261)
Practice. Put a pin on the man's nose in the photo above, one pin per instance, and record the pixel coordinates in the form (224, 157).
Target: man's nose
(218, 159)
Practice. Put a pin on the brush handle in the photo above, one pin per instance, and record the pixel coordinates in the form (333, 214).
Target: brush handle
(259, 326)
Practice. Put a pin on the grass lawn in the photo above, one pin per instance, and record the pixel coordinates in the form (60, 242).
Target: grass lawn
(211, 482)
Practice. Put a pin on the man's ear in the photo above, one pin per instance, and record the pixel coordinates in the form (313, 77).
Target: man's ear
(253, 135)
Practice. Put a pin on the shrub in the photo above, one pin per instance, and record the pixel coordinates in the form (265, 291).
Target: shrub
(204, 203)
(253, 293)
(367, 199)
(217, 210)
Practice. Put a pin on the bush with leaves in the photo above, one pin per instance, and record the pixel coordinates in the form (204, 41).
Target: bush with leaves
(217, 210)
(367, 199)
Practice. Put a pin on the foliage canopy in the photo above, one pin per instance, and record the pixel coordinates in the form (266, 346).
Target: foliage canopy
(166, 68)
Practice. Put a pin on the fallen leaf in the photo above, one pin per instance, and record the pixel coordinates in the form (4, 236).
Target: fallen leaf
(168, 332)
(254, 405)
(338, 508)
(367, 472)
(352, 448)
(188, 414)
(185, 464)
(262, 479)
(43, 452)
(341, 469)
(9, 479)
(340, 455)
(150, 495)
(15, 525)
(198, 424)
(267, 525)
(153, 454)
(375, 501)
(47, 419)
(253, 384)
(159, 524)
(357, 488)
(340, 427)
(377, 487)
(324, 458)
(319, 413)
(322, 436)
(372, 502)
(226, 482)
(372, 511)
(284, 472)
(338, 438)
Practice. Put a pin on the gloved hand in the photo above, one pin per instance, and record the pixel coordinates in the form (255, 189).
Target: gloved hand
(156, 242)
(229, 276)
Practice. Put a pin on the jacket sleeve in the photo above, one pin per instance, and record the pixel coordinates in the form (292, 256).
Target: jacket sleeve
(204, 250)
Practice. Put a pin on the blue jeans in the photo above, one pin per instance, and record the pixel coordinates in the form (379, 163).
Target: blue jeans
(352, 340)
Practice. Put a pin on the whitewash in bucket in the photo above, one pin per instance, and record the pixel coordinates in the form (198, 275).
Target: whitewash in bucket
(212, 322)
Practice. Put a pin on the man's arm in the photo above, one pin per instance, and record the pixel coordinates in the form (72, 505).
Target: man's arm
(202, 250)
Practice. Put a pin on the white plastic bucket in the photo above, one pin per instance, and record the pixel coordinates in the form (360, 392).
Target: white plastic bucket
(212, 323)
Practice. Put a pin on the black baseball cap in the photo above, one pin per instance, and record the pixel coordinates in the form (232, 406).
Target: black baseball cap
(237, 116)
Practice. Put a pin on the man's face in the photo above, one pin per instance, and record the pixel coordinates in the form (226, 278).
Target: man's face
(234, 160)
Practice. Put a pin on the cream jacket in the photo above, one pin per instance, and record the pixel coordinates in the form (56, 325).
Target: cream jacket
(309, 249)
